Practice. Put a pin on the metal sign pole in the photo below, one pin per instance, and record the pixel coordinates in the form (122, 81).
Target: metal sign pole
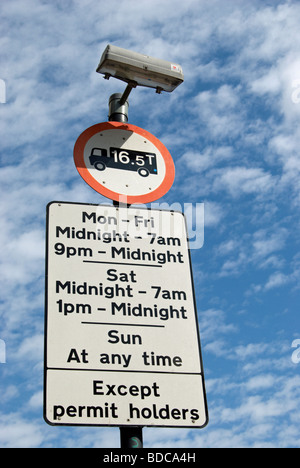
(131, 436)
(118, 108)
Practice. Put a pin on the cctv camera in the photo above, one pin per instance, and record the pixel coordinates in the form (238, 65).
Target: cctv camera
(140, 69)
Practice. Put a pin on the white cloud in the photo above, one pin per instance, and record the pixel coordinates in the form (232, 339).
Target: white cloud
(267, 84)
(220, 112)
(242, 180)
(36, 401)
(210, 157)
(276, 280)
(214, 214)
(16, 432)
(30, 349)
(265, 242)
(214, 332)
(251, 350)
(261, 382)
(262, 249)
(227, 247)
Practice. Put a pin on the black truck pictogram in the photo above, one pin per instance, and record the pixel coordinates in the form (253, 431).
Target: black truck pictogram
(129, 160)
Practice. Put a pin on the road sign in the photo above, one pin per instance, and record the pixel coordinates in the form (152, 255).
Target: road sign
(124, 163)
(122, 341)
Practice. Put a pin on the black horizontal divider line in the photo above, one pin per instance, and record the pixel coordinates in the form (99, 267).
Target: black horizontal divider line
(121, 263)
(123, 324)
(122, 370)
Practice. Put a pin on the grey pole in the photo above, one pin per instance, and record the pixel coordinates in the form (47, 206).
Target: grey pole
(130, 436)
(118, 112)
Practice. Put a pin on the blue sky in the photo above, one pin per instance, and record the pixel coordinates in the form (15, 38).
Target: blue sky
(233, 131)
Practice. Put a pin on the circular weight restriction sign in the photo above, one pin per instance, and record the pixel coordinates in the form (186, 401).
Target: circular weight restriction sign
(124, 163)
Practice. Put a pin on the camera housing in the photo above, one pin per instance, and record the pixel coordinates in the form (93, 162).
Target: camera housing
(140, 70)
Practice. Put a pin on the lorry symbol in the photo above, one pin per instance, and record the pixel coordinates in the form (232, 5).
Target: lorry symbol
(129, 160)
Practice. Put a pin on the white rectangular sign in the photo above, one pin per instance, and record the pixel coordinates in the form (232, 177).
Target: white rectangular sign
(122, 341)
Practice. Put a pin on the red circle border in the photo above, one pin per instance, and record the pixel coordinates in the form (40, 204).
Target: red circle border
(132, 199)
